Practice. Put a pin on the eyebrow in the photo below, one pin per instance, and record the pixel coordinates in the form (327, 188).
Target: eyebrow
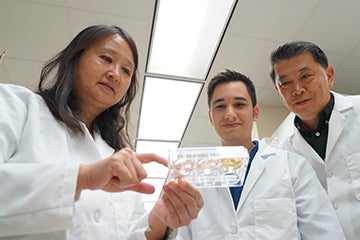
(300, 70)
(235, 98)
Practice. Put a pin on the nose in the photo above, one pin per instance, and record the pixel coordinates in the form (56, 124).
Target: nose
(298, 88)
(230, 113)
(114, 73)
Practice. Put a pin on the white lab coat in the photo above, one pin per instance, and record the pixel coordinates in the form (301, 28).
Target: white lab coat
(281, 200)
(340, 172)
(39, 160)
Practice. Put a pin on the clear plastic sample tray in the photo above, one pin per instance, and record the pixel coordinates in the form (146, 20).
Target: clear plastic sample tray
(209, 166)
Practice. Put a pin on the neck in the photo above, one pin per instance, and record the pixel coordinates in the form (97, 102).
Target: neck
(311, 125)
(88, 120)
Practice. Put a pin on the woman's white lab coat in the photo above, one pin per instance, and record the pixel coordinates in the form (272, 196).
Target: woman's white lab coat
(39, 160)
(281, 199)
(340, 172)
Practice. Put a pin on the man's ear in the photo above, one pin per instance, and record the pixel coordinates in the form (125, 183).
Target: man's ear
(256, 113)
(278, 90)
(330, 71)
(210, 118)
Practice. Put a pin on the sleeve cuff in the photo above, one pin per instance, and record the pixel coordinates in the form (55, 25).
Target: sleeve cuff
(170, 233)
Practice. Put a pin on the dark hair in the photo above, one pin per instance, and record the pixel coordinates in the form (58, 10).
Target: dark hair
(295, 48)
(231, 76)
(56, 87)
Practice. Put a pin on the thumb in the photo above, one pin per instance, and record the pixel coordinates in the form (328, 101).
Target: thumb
(142, 188)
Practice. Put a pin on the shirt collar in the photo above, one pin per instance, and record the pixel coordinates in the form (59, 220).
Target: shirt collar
(254, 150)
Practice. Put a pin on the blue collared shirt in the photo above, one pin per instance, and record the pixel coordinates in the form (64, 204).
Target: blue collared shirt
(236, 191)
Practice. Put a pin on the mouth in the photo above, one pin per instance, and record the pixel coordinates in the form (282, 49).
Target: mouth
(230, 125)
(302, 102)
(107, 86)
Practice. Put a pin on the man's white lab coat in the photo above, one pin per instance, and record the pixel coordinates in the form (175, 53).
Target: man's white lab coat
(340, 172)
(39, 161)
(281, 199)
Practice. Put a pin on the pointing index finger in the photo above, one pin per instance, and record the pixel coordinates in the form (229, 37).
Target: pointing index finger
(151, 157)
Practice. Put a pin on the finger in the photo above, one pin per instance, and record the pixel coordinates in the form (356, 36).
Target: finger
(138, 167)
(134, 164)
(122, 167)
(183, 204)
(171, 217)
(151, 157)
(189, 196)
(165, 212)
(142, 188)
(124, 170)
(192, 191)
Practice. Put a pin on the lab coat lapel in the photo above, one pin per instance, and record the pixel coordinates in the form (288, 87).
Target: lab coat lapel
(336, 126)
(82, 147)
(301, 146)
(256, 169)
(338, 121)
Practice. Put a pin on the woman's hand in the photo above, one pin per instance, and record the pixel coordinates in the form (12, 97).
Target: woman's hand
(119, 172)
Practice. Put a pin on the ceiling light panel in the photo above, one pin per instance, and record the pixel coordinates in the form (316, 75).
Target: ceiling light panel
(186, 36)
(166, 108)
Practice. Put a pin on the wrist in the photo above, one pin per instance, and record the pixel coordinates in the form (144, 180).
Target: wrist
(157, 229)
(81, 181)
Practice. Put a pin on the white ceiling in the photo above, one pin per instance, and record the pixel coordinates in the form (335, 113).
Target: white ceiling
(33, 31)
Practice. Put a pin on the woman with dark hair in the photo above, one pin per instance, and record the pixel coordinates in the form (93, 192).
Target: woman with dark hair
(67, 170)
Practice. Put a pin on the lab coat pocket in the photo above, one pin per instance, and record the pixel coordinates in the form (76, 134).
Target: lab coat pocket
(353, 164)
(275, 219)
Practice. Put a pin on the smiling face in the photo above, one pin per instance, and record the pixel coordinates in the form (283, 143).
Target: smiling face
(232, 114)
(304, 86)
(102, 76)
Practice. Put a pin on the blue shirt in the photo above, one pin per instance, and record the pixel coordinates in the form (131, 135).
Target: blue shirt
(236, 191)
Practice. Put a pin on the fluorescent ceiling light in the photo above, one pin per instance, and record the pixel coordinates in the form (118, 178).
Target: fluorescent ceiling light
(166, 108)
(185, 39)
(186, 36)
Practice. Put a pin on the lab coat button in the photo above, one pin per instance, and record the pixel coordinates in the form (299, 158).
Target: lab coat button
(329, 174)
(336, 206)
(97, 215)
(233, 230)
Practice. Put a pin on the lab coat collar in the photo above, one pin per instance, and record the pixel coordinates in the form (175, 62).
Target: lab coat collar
(337, 121)
(257, 168)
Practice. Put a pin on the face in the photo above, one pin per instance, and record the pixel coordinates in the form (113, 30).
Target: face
(232, 114)
(102, 75)
(304, 86)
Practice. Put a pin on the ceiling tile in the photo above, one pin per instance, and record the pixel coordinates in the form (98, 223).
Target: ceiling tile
(332, 18)
(268, 97)
(356, 51)
(23, 72)
(347, 76)
(139, 29)
(247, 55)
(142, 9)
(30, 34)
(274, 20)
